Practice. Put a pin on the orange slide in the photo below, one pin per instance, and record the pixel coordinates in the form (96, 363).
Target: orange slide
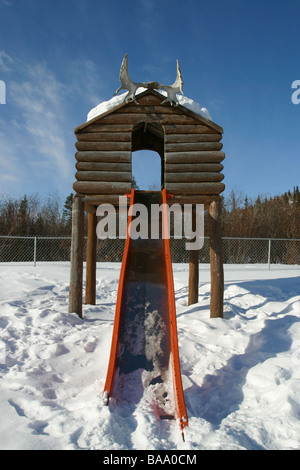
(144, 357)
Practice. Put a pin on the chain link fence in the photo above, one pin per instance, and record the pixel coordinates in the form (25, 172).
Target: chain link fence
(238, 253)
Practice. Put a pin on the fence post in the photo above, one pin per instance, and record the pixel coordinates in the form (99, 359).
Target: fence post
(90, 285)
(193, 268)
(34, 252)
(76, 269)
(269, 255)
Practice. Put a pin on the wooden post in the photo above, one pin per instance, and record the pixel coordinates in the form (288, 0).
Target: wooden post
(75, 294)
(193, 269)
(216, 261)
(90, 288)
(193, 277)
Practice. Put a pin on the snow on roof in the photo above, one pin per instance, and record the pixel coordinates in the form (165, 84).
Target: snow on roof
(117, 100)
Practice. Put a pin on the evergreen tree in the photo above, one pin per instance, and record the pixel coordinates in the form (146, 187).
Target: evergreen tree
(68, 207)
(134, 183)
(23, 217)
(67, 214)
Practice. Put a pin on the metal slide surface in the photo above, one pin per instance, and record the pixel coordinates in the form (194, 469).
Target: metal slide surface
(144, 352)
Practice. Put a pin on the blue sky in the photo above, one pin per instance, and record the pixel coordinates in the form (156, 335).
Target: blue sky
(238, 58)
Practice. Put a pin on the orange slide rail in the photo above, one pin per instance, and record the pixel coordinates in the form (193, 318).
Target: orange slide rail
(179, 397)
(116, 330)
(177, 383)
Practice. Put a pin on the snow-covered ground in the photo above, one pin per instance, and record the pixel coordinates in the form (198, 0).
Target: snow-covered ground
(241, 374)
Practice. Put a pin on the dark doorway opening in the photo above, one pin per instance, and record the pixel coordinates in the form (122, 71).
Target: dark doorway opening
(148, 156)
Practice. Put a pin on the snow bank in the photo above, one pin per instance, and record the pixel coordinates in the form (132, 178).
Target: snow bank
(241, 374)
(119, 99)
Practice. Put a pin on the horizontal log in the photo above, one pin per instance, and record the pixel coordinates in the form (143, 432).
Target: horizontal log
(195, 188)
(192, 138)
(193, 177)
(119, 118)
(92, 187)
(103, 128)
(105, 137)
(193, 147)
(149, 109)
(110, 157)
(205, 199)
(103, 176)
(183, 167)
(103, 166)
(110, 146)
(184, 110)
(195, 157)
(95, 201)
(105, 199)
(149, 100)
(195, 128)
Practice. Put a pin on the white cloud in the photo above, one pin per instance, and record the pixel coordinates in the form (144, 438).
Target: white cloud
(36, 137)
(84, 81)
(39, 99)
(6, 62)
(10, 171)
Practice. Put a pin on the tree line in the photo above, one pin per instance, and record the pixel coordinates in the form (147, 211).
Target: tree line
(265, 217)
(30, 215)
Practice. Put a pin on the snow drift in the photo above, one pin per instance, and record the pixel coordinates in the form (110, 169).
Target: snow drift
(241, 374)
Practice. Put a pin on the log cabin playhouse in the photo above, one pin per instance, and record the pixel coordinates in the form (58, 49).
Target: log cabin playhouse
(190, 150)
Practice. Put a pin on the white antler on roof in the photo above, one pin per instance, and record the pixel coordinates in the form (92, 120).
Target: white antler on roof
(172, 90)
(128, 84)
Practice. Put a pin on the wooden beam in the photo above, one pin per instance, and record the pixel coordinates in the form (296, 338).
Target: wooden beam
(99, 187)
(105, 137)
(133, 118)
(120, 176)
(193, 269)
(108, 146)
(145, 99)
(76, 270)
(96, 200)
(103, 156)
(149, 109)
(195, 188)
(216, 261)
(103, 128)
(193, 146)
(193, 177)
(195, 157)
(182, 138)
(186, 167)
(193, 199)
(90, 290)
(104, 166)
(103, 199)
(194, 128)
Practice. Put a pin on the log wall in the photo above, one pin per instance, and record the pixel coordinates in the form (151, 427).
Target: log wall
(189, 144)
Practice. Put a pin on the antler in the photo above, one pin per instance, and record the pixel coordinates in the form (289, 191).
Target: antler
(172, 90)
(128, 84)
